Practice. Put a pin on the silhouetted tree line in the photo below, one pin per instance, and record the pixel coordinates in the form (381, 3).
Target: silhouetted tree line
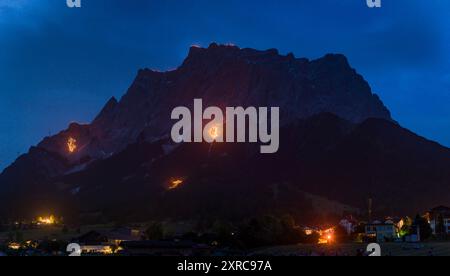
(260, 231)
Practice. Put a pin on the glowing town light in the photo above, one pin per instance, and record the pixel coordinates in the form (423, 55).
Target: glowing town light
(14, 246)
(46, 220)
(326, 236)
(71, 145)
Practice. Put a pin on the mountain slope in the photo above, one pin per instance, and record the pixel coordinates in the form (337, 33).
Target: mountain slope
(222, 76)
(340, 162)
(338, 141)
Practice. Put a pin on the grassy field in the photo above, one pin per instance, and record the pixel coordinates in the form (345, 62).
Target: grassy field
(388, 249)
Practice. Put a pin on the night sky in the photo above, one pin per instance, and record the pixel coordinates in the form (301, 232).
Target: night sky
(59, 65)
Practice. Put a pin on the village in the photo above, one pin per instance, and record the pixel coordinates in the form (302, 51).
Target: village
(425, 234)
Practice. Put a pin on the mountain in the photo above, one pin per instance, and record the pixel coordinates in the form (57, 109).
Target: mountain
(223, 76)
(339, 146)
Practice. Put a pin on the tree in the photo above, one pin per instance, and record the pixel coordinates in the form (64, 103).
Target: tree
(269, 231)
(65, 229)
(288, 221)
(19, 236)
(423, 226)
(407, 221)
(224, 231)
(11, 236)
(407, 227)
(340, 234)
(440, 226)
(360, 228)
(154, 231)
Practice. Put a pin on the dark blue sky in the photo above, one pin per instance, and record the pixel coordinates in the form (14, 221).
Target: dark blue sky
(59, 65)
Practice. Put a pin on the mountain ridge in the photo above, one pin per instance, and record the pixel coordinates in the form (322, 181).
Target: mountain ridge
(120, 123)
(224, 75)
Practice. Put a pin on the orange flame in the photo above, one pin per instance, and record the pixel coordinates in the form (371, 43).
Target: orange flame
(175, 184)
(46, 220)
(214, 132)
(71, 145)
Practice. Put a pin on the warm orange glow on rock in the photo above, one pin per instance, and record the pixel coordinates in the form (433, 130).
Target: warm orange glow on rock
(175, 183)
(214, 132)
(71, 145)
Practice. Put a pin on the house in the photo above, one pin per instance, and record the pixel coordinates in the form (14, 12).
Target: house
(119, 235)
(103, 242)
(439, 219)
(398, 222)
(349, 223)
(93, 242)
(382, 231)
(96, 249)
(91, 238)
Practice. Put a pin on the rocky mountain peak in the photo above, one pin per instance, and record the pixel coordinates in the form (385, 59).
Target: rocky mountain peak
(222, 75)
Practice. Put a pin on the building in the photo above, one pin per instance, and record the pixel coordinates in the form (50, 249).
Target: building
(398, 222)
(349, 223)
(119, 235)
(91, 238)
(439, 219)
(106, 243)
(381, 231)
(96, 249)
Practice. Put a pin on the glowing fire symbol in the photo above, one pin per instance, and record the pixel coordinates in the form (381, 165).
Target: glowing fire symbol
(175, 184)
(214, 132)
(71, 145)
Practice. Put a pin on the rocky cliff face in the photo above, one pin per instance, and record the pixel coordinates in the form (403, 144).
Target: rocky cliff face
(326, 166)
(229, 76)
(221, 76)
